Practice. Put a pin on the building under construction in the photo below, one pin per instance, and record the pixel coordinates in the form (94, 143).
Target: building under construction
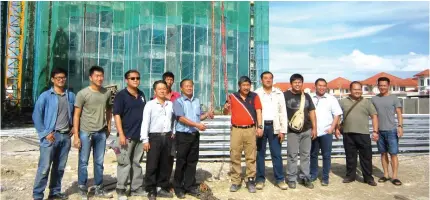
(212, 43)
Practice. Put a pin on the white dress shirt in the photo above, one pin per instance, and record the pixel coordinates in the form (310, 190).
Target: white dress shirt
(327, 106)
(157, 118)
(269, 106)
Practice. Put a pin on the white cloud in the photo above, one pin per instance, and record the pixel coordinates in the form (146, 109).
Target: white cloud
(284, 63)
(421, 26)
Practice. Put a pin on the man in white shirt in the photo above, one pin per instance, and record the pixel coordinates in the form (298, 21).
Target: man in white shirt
(156, 135)
(275, 128)
(328, 112)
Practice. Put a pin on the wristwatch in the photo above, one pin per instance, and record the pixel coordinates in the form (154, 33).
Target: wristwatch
(401, 126)
(260, 126)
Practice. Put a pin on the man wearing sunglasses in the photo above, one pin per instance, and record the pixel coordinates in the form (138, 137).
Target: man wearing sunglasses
(127, 109)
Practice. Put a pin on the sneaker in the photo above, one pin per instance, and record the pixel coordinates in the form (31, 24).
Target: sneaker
(251, 185)
(83, 192)
(281, 185)
(234, 188)
(61, 196)
(372, 183)
(292, 184)
(139, 192)
(259, 186)
(164, 193)
(348, 180)
(324, 183)
(100, 193)
(308, 184)
(121, 194)
(194, 192)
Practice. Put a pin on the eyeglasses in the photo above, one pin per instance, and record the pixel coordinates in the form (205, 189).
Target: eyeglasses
(60, 78)
(134, 78)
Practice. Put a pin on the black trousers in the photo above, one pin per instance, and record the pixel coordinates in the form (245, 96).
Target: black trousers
(187, 146)
(157, 162)
(353, 142)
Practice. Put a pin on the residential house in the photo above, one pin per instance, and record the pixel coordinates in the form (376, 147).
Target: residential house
(338, 86)
(397, 85)
(423, 81)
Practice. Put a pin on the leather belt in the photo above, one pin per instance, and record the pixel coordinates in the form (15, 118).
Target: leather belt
(246, 126)
(63, 132)
(268, 122)
(160, 134)
(188, 133)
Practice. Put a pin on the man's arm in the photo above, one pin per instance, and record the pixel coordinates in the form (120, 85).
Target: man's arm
(313, 117)
(146, 120)
(283, 115)
(108, 120)
(180, 115)
(38, 115)
(118, 124)
(375, 127)
(399, 121)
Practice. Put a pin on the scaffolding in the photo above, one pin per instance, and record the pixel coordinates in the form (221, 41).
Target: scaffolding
(207, 42)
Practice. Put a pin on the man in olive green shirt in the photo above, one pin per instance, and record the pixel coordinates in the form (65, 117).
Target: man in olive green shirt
(356, 133)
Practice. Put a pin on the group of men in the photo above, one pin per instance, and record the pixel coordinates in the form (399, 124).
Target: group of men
(169, 124)
(309, 123)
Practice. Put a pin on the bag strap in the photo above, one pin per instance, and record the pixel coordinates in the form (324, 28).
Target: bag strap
(302, 102)
(349, 111)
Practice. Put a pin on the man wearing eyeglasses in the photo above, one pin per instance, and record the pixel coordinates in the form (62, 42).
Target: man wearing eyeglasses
(52, 118)
(127, 109)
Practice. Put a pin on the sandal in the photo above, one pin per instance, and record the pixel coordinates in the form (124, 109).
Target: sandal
(396, 182)
(383, 179)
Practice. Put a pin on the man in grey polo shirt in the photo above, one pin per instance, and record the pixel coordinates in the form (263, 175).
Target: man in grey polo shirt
(387, 106)
(356, 133)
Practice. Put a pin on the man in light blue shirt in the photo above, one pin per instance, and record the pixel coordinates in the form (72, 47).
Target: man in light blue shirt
(188, 113)
(52, 118)
(328, 112)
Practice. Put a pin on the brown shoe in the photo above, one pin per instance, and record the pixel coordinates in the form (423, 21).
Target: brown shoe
(372, 183)
(282, 185)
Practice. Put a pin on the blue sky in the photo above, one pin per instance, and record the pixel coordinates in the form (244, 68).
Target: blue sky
(354, 40)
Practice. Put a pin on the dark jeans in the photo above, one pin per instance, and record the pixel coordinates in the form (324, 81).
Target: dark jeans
(275, 152)
(352, 143)
(157, 162)
(56, 154)
(324, 143)
(96, 140)
(187, 146)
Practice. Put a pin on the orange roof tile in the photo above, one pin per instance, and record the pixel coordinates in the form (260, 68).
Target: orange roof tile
(394, 80)
(423, 73)
(339, 83)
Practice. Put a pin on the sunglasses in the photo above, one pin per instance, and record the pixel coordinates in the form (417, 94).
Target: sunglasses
(134, 78)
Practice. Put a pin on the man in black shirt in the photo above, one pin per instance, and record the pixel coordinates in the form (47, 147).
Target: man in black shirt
(299, 138)
(128, 112)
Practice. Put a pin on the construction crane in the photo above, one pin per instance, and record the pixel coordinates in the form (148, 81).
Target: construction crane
(14, 51)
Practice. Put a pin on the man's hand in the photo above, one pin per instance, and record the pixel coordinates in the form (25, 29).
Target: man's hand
(259, 132)
(201, 126)
(399, 132)
(281, 137)
(227, 106)
(210, 114)
(122, 140)
(330, 130)
(146, 147)
(50, 137)
(77, 142)
(314, 134)
(375, 136)
(337, 134)
(72, 132)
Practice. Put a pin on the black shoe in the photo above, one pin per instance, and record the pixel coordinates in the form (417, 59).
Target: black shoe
(180, 195)
(194, 192)
(251, 185)
(372, 183)
(348, 180)
(61, 196)
(152, 195)
(234, 188)
(292, 185)
(100, 193)
(139, 192)
(164, 193)
(308, 184)
(83, 192)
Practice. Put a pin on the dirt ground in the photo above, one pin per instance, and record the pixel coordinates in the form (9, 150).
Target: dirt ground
(19, 164)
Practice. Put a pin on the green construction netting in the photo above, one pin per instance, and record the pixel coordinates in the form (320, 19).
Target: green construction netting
(152, 37)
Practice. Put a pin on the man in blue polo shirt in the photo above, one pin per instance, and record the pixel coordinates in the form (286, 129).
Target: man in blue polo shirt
(128, 109)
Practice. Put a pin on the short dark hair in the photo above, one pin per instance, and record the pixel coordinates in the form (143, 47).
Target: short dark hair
(158, 82)
(168, 74)
(243, 79)
(264, 73)
(129, 72)
(58, 70)
(96, 68)
(296, 77)
(185, 80)
(384, 79)
(355, 82)
(320, 79)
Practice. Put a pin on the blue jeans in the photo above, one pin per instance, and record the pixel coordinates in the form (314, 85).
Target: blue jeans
(275, 152)
(96, 140)
(324, 143)
(56, 154)
(388, 142)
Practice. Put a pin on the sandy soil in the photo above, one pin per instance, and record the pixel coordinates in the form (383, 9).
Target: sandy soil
(19, 164)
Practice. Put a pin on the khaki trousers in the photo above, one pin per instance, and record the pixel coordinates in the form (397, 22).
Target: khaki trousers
(242, 139)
